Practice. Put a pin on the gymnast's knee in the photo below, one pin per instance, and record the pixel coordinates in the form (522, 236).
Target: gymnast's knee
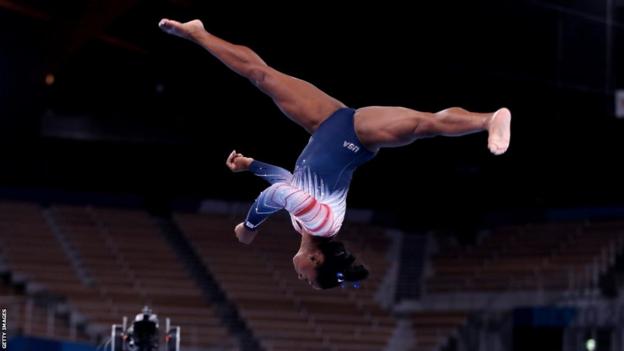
(426, 126)
(258, 74)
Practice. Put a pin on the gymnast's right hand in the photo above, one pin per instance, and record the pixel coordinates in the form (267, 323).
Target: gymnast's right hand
(237, 162)
(244, 235)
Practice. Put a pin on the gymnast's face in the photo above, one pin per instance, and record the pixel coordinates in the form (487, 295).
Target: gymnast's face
(305, 265)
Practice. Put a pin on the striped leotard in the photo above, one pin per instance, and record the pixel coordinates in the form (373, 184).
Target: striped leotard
(315, 194)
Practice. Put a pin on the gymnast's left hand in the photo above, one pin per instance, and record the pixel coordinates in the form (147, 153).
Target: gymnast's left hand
(236, 162)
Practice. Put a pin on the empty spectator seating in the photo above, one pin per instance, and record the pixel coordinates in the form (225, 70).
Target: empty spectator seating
(125, 264)
(550, 256)
(26, 316)
(432, 329)
(131, 266)
(282, 311)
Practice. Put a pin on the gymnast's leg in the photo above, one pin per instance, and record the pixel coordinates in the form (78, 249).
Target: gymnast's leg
(379, 126)
(301, 101)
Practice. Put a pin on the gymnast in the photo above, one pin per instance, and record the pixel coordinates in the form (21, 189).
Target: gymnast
(342, 139)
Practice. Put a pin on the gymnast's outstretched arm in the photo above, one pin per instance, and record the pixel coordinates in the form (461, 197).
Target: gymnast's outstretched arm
(262, 207)
(236, 162)
(315, 217)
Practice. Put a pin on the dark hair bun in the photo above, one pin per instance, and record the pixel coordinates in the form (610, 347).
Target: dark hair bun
(338, 262)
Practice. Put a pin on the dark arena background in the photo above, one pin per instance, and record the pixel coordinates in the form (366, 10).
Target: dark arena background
(115, 200)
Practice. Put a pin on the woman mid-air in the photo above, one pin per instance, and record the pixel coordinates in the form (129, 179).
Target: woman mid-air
(341, 139)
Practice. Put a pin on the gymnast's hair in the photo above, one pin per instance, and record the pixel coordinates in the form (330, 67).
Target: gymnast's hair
(338, 266)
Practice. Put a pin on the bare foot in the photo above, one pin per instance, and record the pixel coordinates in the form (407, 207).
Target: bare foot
(185, 30)
(499, 129)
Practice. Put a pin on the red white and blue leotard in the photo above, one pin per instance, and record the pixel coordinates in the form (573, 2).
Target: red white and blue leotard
(315, 195)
